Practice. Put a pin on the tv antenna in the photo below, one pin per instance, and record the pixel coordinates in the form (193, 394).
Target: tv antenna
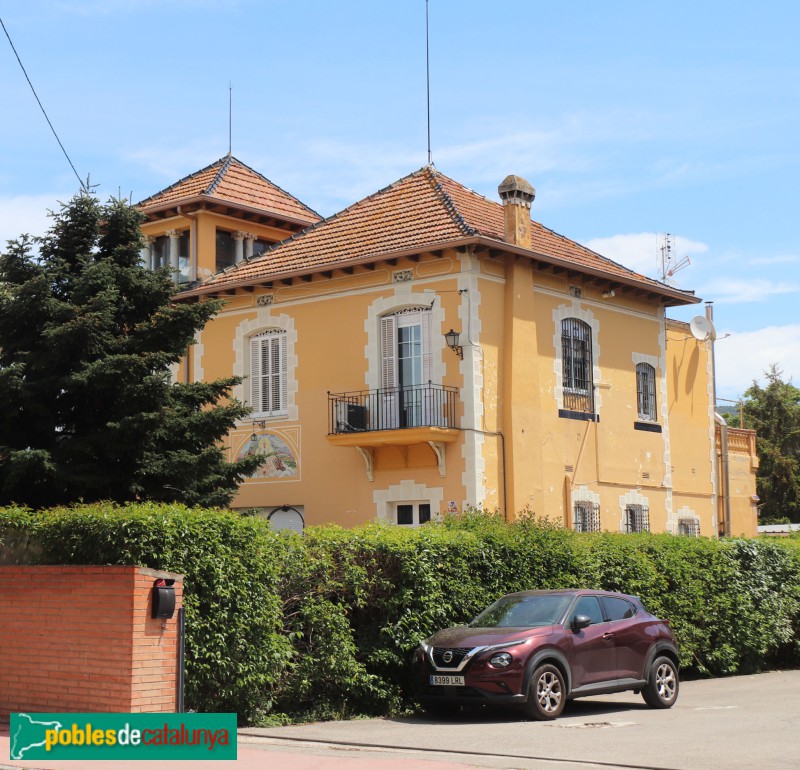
(428, 80)
(668, 263)
(230, 116)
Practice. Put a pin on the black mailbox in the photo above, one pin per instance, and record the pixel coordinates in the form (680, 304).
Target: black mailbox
(163, 599)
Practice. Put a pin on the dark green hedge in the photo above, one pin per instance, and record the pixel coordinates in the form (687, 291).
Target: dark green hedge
(323, 625)
(235, 648)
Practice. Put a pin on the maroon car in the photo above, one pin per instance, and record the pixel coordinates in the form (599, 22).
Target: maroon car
(540, 649)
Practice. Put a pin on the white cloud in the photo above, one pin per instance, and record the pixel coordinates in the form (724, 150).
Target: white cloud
(745, 356)
(731, 290)
(778, 259)
(27, 214)
(640, 251)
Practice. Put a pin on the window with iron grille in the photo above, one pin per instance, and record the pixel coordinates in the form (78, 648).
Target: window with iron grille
(268, 373)
(637, 518)
(576, 352)
(646, 392)
(586, 517)
(689, 526)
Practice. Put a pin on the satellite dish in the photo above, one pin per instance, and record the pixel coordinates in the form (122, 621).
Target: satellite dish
(702, 328)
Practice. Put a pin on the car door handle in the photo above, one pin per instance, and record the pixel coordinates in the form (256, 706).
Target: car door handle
(608, 635)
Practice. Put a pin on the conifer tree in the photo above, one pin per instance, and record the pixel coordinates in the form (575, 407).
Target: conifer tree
(774, 412)
(87, 338)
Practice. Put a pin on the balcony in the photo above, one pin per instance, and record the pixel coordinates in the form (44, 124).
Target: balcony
(417, 414)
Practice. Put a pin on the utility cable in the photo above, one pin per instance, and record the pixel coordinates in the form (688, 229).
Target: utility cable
(80, 181)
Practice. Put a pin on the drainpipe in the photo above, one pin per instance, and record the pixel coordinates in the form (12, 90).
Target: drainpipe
(725, 476)
(723, 431)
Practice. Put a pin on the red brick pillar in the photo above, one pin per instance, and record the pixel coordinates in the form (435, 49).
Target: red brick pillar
(83, 639)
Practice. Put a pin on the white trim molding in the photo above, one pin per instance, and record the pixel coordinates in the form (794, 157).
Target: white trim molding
(672, 521)
(575, 310)
(583, 494)
(406, 491)
(264, 319)
(686, 513)
(473, 477)
(401, 298)
(632, 497)
(198, 349)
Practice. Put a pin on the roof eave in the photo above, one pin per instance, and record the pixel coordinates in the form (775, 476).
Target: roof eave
(203, 198)
(676, 295)
(684, 297)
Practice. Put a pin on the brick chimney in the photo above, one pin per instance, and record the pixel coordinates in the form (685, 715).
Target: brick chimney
(517, 194)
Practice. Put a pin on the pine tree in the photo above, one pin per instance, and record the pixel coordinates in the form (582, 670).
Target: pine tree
(774, 412)
(87, 339)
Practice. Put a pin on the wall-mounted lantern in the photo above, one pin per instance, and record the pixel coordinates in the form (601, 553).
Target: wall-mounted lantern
(451, 338)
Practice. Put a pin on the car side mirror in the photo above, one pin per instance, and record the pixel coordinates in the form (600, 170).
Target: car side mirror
(581, 621)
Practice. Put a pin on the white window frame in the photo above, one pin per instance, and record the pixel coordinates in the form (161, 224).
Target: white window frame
(562, 391)
(268, 373)
(391, 397)
(415, 504)
(646, 393)
(390, 324)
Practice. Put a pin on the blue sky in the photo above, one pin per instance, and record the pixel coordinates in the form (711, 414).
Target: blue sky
(630, 119)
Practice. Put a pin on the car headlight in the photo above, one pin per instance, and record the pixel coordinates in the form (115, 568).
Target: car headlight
(501, 660)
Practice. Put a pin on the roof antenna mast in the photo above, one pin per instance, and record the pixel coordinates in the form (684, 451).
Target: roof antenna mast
(230, 116)
(428, 80)
(668, 263)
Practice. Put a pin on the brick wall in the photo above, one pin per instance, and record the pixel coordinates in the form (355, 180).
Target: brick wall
(82, 639)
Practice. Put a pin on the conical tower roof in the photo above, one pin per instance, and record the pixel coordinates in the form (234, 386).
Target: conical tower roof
(230, 181)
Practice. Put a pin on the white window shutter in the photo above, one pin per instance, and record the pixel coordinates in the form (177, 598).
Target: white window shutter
(427, 353)
(268, 372)
(284, 368)
(388, 352)
(255, 373)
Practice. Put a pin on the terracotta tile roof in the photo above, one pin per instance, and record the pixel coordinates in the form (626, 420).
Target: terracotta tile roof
(229, 180)
(420, 210)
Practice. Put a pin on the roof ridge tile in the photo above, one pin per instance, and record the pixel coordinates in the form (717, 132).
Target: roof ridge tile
(219, 175)
(448, 202)
(181, 181)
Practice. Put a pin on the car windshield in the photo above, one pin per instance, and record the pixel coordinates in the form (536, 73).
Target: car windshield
(522, 612)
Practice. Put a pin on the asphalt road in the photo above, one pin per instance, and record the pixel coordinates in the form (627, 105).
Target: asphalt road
(721, 724)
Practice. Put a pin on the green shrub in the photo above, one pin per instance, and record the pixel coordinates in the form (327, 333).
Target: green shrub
(235, 648)
(282, 626)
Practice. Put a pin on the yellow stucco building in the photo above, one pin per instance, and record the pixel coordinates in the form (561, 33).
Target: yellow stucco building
(428, 349)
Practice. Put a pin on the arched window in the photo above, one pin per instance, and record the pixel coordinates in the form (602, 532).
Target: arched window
(576, 348)
(268, 373)
(646, 392)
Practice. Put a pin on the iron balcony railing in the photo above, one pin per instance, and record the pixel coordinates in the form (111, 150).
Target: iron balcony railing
(414, 406)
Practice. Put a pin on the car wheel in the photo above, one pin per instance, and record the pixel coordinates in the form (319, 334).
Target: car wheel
(546, 693)
(661, 690)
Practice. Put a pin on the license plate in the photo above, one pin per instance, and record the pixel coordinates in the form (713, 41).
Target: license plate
(447, 679)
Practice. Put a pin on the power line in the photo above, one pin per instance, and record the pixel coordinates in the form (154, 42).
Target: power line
(41, 106)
